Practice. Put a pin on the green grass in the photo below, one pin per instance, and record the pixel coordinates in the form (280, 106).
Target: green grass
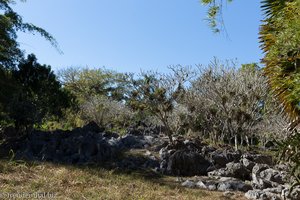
(92, 182)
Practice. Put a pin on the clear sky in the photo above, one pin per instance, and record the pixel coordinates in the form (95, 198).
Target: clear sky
(129, 35)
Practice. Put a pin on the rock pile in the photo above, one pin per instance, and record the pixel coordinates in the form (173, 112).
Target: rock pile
(227, 170)
(216, 169)
(89, 144)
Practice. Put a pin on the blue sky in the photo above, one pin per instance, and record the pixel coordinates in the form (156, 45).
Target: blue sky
(129, 35)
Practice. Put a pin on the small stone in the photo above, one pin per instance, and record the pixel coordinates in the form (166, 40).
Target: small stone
(253, 194)
(211, 185)
(228, 194)
(201, 185)
(148, 153)
(189, 184)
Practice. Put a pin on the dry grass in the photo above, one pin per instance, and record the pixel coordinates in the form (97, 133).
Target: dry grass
(73, 182)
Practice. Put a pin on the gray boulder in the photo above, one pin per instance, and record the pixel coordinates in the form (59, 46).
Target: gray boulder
(234, 186)
(265, 177)
(261, 195)
(257, 181)
(273, 175)
(248, 163)
(259, 158)
(130, 141)
(236, 170)
(189, 184)
(224, 184)
(187, 163)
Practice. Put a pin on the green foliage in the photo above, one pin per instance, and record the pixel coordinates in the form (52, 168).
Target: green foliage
(14, 97)
(8, 90)
(41, 95)
(290, 152)
(11, 23)
(160, 95)
(214, 14)
(280, 37)
(84, 83)
(253, 67)
(100, 96)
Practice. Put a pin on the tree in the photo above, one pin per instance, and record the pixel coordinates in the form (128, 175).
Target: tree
(101, 96)
(280, 38)
(10, 23)
(160, 96)
(84, 83)
(11, 54)
(41, 94)
(215, 14)
(226, 102)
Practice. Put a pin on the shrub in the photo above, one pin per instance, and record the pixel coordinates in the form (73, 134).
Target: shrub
(227, 102)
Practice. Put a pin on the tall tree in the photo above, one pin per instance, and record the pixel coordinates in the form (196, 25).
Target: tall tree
(10, 52)
(41, 94)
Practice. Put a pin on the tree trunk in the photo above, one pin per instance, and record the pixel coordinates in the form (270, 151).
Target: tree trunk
(236, 142)
(247, 141)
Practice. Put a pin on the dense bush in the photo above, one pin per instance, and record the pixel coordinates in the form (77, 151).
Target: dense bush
(222, 102)
(31, 95)
(101, 96)
(159, 95)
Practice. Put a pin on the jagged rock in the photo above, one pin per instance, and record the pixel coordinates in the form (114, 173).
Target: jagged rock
(114, 142)
(187, 163)
(228, 183)
(109, 135)
(247, 163)
(236, 170)
(208, 149)
(273, 175)
(138, 162)
(257, 181)
(223, 184)
(201, 185)
(265, 177)
(253, 194)
(81, 145)
(92, 127)
(281, 192)
(130, 141)
(189, 184)
(228, 194)
(211, 185)
(259, 158)
(219, 173)
(261, 195)
(294, 194)
(163, 153)
(149, 139)
(220, 157)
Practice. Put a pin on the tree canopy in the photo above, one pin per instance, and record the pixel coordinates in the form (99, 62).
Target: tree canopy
(11, 22)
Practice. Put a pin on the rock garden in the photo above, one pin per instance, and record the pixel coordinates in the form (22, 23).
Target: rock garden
(193, 163)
